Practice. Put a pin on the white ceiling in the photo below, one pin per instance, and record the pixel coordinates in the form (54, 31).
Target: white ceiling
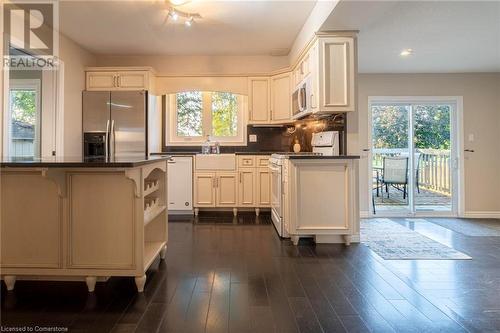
(446, 36)
(227, 27)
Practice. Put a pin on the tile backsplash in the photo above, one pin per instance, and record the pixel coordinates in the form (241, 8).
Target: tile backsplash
(271, 139)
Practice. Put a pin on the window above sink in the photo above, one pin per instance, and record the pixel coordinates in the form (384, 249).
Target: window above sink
(192, 115)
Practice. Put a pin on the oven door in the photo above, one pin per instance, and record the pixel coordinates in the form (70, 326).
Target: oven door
(276, 204)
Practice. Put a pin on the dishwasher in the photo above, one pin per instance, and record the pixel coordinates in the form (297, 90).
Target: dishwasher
(180, 185)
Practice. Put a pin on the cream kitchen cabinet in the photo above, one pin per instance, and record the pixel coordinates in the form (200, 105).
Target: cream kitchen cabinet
(84, 223)
(281, 105)
(119, 78)
(226, 185)
(259, 100)
(215, 189)
(269, 100)
(333, 62)
(204, 189)
(321, 199)
(263, 187)
(226, 181)
(246, 187)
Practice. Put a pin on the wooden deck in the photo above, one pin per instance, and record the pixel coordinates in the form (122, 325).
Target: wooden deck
(424, 198)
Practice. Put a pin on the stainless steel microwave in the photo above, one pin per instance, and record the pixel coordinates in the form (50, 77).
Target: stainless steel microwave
(301, 99)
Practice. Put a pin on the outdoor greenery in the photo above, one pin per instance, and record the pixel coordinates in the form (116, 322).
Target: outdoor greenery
(432, 126)
(189, 113)
(23, 106)
(223, 114)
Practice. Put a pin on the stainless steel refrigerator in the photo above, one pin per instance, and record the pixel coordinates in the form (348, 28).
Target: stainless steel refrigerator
(119, 124)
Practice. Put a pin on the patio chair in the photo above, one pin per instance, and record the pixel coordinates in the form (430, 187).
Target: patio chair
(395, 173)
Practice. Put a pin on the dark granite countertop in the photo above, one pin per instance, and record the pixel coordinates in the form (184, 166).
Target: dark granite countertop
(79, 162)
(322, 157)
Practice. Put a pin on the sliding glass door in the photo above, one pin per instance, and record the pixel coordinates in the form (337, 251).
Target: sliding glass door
(413, 167)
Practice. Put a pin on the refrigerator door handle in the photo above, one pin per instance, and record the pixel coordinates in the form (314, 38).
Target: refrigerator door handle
(106, 144)
(112, 142)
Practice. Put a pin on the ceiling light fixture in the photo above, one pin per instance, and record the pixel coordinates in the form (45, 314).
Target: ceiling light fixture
(187, 18)
(173, 14)
(406, 52)
(189, 22)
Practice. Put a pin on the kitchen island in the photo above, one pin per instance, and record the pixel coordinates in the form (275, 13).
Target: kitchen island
(316, 196)
(82, 219)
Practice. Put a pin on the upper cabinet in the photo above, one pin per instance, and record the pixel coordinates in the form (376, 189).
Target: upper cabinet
(281, 110)
(336, 70)
(331, 63)
(259, 100)
(119, 78)
(269, 99)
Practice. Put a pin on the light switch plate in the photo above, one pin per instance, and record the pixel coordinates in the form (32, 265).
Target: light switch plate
(252, 138)
(471, 137)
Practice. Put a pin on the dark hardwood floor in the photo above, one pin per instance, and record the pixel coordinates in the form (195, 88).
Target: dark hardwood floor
(235, 276)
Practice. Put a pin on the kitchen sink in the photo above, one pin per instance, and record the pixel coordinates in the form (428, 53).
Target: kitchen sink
(215, 162)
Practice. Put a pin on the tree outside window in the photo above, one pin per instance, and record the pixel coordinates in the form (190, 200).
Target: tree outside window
(201, 113)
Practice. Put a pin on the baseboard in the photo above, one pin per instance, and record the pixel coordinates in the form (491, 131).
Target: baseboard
(477, 214)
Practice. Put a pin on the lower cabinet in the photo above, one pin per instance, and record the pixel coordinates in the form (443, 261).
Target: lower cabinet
(216, 189)
(246, 186)
(249, 185)
(204, 189)
(226, 186)
(263, 187)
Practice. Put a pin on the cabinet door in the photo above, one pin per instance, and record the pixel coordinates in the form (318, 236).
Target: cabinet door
(263, 187)
(133, 80)
(227, 189)
(246, 186)
(259, 100)
(281, 98)
(204, 189)
(111, 227)
(31, 221)
(337, 72)
(101, 81)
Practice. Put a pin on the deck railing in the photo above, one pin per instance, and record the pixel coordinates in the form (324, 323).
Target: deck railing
(433, 165)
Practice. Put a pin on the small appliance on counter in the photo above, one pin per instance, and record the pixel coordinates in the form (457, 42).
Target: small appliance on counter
(326, 143)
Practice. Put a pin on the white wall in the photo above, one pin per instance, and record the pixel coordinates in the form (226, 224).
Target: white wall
(75, 60)
(199, 65)
(314, 22)
(481, 117)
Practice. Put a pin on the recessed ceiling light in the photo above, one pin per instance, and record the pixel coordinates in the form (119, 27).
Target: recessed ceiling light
(406, 52)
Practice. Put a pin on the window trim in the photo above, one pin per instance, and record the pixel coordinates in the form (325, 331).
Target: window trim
(172, 139)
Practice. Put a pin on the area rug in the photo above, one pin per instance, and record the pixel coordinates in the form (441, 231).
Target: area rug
(467, 228)
(393, 241)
